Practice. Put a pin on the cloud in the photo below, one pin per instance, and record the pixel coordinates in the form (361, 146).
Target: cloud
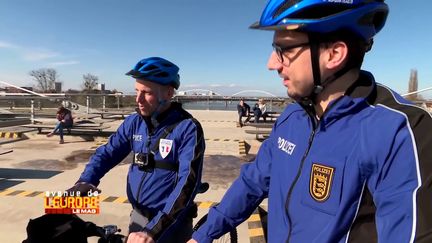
(7, 45)
(210, 86)
(224, 85)
(16, 79)
(64, 63)
(192, 86)
(216, 85)
(30, 53)
(37, 55)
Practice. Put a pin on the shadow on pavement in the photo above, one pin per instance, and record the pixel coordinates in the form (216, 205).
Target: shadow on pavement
(222, 170)
(5, 183)
(9, 173)
(70, 162)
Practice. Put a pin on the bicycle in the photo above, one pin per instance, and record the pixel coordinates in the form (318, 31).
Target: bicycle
(230, 237)
(69, 228)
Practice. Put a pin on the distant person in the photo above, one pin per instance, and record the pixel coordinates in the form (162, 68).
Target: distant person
(168, 150)
(263, 108)
(64, 120)
(257, 113)
(243, 109)
(351, 160)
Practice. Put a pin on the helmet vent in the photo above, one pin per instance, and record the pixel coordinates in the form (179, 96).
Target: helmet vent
(150, 67)
(320, 11)
(379, 20)
(286, 5)
(376, 20)
(162, 74)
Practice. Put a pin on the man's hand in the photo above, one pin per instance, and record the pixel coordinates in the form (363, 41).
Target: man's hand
(84, 188)
(139, 237)
(192, 241)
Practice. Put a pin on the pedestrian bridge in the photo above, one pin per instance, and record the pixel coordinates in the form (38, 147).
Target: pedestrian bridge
(241, 94)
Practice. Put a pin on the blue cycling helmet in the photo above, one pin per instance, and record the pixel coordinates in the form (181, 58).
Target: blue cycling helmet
(157, 70)
(364, 18)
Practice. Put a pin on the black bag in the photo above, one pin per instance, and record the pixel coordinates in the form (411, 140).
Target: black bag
(56, 228)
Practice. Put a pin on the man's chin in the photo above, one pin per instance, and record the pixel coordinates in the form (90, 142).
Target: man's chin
(143, 112)
(293, 96)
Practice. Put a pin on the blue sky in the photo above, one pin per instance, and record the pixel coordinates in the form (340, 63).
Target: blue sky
(208, 39)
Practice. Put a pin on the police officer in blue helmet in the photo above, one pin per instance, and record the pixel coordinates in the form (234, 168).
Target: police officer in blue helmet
(168, 147)
(156, 80)
(350, 160)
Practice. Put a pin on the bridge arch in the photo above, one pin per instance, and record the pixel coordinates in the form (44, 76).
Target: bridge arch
(254, 91)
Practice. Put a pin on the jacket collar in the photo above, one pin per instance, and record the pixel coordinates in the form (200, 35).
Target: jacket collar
(168, 116)
(355, 98)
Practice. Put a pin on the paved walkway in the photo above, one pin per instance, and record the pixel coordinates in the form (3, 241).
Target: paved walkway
(39, 164)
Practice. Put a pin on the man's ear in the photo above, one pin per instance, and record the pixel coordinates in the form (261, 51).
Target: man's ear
(170, 91)
(336, 55)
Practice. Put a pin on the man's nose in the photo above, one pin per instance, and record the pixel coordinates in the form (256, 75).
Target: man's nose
(139, 97)
(273, 62)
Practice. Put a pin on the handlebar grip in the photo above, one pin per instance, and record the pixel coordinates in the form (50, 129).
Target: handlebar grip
(203, 187)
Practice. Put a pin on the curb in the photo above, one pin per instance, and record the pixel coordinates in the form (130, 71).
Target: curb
(11, 135)
(256, 231)
(242, 147)
(221, 140)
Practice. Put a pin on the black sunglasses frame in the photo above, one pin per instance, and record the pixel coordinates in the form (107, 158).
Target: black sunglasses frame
(280, 50)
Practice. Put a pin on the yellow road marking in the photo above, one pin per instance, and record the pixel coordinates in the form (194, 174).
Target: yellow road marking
(254, 217)
(256, 232)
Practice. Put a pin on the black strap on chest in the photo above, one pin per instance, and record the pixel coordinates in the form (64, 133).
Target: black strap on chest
(164, 134)
(155, 148)
(146, 161)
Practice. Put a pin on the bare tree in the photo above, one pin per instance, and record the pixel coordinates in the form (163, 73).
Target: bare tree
(90, 81)
(45, 78)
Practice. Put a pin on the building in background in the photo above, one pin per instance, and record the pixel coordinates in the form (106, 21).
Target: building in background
(58, 87)
(100, 87)
(413, 85)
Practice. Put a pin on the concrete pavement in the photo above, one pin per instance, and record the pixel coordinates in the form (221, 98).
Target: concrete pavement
(40, 164)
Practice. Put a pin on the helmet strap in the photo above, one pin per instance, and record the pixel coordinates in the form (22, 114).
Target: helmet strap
(155, 114)
(314, 50)
(318, 85)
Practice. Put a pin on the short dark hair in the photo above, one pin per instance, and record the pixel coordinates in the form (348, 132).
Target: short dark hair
(357, 47)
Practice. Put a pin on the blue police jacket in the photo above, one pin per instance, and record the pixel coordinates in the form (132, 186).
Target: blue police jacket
(362, 173)
(165, 194)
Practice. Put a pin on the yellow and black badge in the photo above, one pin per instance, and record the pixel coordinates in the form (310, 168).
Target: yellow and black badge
(320, 182)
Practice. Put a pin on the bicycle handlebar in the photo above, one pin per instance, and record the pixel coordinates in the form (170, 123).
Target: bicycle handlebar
(203, 187)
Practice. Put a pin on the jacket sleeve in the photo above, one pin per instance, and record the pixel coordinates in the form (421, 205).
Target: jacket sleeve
(245, 194)
(109, 155)
(403, 204)
(190, 159)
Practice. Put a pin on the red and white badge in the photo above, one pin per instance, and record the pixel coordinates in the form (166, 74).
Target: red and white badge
(165, 146)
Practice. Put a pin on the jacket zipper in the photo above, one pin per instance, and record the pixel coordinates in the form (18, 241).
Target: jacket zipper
(287, 201)
(144, 173)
